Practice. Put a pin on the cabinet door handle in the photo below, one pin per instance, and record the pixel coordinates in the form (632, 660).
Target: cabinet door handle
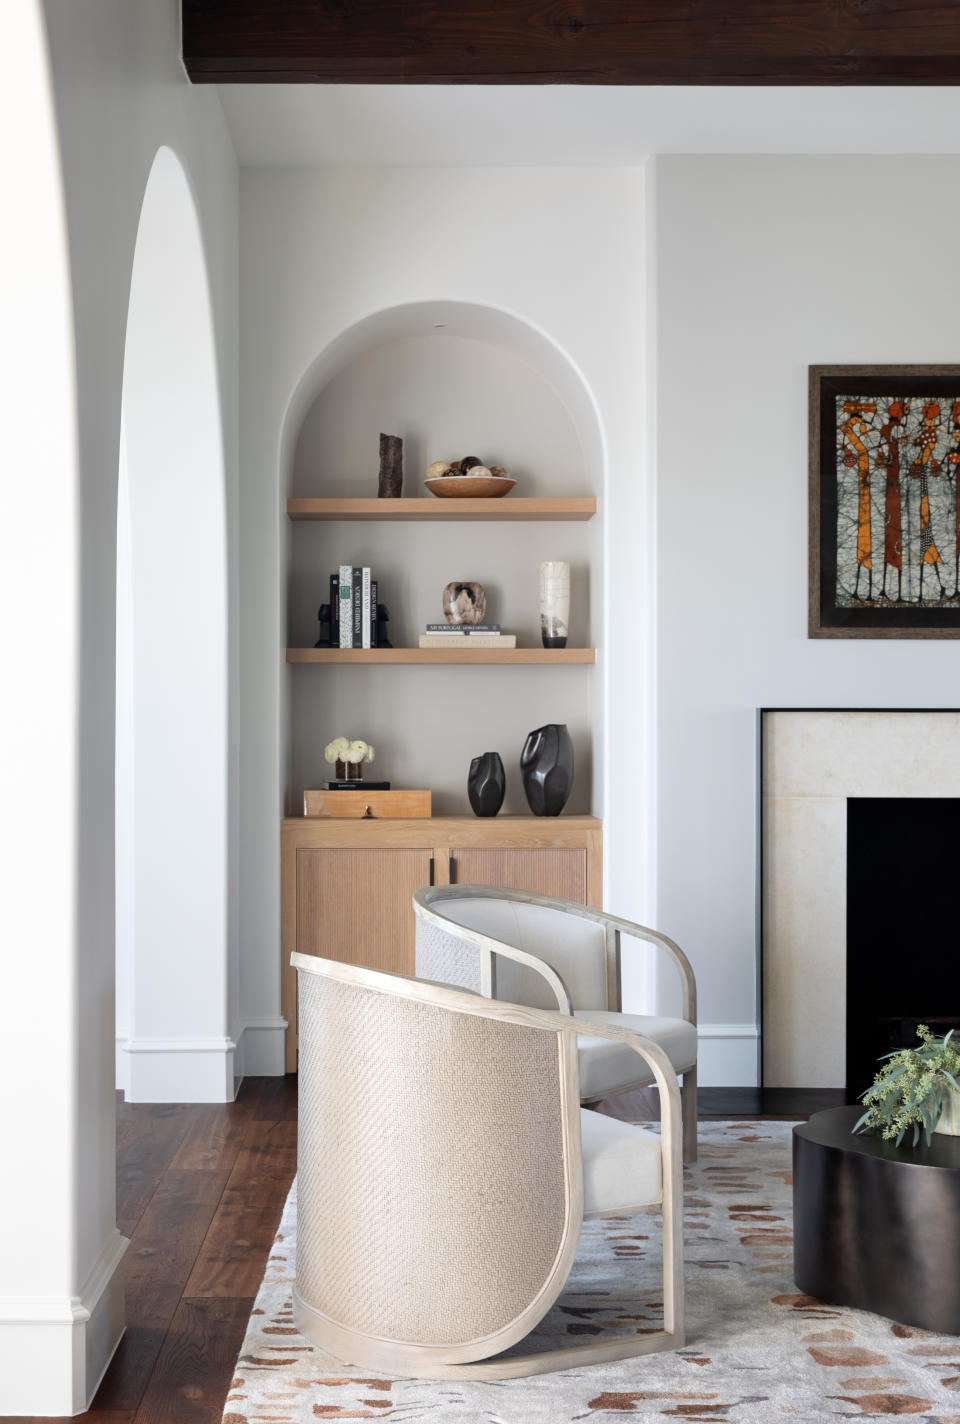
(453, 871)
(431, 870)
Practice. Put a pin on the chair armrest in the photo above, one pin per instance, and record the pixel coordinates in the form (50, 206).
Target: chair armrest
(653, 1055)
(487, 947)
(671, 1132)
(539, 966)
(673, 951)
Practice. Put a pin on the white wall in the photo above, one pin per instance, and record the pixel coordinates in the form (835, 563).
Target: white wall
(124, 788)
(322, 250)
(178, 1046)
(764, 266)
(119, 94)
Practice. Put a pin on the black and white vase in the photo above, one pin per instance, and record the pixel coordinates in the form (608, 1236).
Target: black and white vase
(554, 604)
(547, 766)
(486, 784)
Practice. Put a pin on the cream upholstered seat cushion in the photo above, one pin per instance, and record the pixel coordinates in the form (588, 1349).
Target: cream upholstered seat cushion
(621, 1164)
(606, 1067)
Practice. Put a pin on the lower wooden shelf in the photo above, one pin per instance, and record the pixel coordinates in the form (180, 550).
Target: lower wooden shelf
(518, 656)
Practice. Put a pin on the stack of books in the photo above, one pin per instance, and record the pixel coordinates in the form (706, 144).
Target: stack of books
(466, 636)
(353, 608)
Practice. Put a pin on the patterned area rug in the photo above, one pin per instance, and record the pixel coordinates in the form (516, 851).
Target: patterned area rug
(758, 1351)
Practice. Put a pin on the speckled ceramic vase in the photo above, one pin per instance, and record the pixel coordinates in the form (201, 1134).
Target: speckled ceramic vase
(464, 603)
(554, 604)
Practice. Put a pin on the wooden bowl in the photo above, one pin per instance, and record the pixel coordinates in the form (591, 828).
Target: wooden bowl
(469, 486)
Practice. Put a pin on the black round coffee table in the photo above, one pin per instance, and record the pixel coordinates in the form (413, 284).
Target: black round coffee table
(875, 1226)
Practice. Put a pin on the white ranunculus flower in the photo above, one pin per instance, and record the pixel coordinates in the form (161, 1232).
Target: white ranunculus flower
(336, 750)
(371, 753)
(356, 752)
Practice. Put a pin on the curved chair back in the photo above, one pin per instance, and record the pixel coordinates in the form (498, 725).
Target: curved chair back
(572, 939)
(440, 1189)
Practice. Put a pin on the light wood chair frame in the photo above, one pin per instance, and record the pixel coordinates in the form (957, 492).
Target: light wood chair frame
(471, 1360)
(428, 903)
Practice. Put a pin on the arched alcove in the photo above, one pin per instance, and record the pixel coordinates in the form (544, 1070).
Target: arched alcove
(451, 378)
(172, 656)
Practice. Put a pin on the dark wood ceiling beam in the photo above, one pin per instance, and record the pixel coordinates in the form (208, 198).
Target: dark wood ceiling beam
(572, 41)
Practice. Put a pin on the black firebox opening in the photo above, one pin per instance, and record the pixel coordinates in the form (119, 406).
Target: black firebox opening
(903, 898)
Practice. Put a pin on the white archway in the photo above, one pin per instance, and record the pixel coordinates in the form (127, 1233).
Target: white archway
(172, 661)
(490, 324)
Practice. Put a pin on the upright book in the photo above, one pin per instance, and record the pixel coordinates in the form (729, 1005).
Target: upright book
(346, 606)
(358, 608)
(365, 608)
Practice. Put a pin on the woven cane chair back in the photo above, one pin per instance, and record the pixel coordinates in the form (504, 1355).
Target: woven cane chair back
(439, 1167)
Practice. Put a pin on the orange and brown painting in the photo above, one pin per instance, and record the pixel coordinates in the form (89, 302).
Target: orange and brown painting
(758, 1350)
(897, 501)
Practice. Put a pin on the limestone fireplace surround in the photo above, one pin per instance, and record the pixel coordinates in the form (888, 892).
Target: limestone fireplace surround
(812, 761)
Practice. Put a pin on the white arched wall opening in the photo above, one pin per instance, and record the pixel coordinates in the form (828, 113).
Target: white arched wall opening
(440, 374)
(521, 339)
(324, 268)
(172, 670)
(454, 318)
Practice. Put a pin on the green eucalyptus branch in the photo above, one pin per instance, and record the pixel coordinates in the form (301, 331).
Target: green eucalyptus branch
(910, 1091)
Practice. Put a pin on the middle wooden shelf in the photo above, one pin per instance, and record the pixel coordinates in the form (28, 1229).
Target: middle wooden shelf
(517, 656)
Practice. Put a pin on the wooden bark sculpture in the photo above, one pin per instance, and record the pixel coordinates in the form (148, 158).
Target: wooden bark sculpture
(391, 467)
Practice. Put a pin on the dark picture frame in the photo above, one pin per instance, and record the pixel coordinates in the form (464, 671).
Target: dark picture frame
(884, 501)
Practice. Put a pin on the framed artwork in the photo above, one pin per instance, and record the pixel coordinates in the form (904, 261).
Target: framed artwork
(885, 501)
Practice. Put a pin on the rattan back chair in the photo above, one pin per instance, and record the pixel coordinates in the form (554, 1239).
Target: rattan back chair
(531, 949)
(443, 1173)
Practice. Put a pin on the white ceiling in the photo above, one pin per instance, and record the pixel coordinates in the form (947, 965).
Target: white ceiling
(365, 125)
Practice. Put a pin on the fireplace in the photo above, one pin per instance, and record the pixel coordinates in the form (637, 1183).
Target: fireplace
(895, 777)
(902, 964)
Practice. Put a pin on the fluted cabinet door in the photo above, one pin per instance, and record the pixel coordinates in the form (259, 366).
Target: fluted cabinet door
(560, 871)
(356, 905)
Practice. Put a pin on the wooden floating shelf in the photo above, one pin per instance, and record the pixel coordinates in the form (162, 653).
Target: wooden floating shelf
(444, 509)
(516, 656)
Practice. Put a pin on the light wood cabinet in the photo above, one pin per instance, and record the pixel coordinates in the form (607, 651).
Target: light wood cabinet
(348, 885)
(545, 870)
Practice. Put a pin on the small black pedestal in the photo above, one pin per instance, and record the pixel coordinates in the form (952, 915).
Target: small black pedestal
(877, 1227)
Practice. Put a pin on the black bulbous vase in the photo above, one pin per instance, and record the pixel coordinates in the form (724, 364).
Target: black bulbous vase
(547, 765)
(486, 784)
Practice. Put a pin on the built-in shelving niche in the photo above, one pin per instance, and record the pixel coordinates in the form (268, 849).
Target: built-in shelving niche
(427, 711)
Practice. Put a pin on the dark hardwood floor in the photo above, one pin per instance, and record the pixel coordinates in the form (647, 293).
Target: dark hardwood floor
(200, 1190)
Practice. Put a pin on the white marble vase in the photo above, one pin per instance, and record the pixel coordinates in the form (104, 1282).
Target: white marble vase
(554, 604)
(949, 1123)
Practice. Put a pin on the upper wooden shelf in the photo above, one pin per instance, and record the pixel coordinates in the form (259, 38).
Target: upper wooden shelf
(432, 508)
(441, 655)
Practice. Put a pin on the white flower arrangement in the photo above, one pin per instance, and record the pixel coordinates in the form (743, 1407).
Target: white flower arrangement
(342, 749)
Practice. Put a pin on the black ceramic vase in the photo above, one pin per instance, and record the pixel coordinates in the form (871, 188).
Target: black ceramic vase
(547, 765)
(486, 784)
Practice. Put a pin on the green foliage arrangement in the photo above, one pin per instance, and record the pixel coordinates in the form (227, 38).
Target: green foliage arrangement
(909, 1091)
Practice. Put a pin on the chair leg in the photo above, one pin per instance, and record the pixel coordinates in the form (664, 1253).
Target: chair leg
(688, 1095)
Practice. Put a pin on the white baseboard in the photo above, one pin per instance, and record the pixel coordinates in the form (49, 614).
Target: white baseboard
(180, 1070)
(54, 1351)
(121, 1062)
(729, 1055)
(262, 1048)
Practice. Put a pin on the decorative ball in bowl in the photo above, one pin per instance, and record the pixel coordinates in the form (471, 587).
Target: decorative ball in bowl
(467, 479)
